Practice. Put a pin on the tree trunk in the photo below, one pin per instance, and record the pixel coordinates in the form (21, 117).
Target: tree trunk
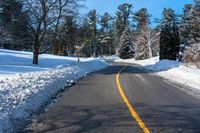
(149, 49)
(35, 55)
(2, 45)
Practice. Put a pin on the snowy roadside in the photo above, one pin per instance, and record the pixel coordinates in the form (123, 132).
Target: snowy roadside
(22, 93)
(172, 70)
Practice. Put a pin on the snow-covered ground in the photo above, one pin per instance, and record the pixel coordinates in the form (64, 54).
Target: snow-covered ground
(24, 87)
(171, 70)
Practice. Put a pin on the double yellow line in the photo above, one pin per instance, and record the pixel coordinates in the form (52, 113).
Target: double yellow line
(131, 109)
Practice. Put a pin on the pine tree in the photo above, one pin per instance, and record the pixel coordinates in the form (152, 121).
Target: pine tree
(69, 35)
(195, 22)
(192, 33)
(142, 17)
(127, 49)
(105, 22)
(14, 25)
(186, 24)
(92, 19)
(119, 27)
(169, 36)
(190, 23)
(106, 37)
(122, 17)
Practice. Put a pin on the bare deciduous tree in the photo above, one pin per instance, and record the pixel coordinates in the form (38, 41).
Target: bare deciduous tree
(146, 43)
(47, 15)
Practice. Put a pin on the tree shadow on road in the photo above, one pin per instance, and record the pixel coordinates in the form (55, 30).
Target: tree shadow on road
(170, 118)
(158, 118)
(80, 119)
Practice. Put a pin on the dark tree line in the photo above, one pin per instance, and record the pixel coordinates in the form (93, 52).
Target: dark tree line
(169, 36)
(55, 26)
(190, 33)
(14, 30)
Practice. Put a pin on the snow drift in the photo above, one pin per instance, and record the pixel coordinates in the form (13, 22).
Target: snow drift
(24, 88)
(172, 70)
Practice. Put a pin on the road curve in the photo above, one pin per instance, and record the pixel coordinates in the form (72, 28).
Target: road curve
(95, 105)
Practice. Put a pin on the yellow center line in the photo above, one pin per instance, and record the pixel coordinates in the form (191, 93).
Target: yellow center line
(131, 109)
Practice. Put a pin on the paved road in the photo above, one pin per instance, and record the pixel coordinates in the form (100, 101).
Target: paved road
(94, 105)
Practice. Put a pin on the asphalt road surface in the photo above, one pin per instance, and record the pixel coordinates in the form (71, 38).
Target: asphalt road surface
(95, 105)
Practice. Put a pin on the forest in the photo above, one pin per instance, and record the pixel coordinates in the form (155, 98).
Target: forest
(57, 27)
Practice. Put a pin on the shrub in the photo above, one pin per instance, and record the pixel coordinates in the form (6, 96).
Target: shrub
(192, 55)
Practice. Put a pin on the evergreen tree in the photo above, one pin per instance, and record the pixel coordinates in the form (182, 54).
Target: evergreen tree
(195, 22)
(85, 37)
(142, 17)
(127, 49)
(92, 19)
(69, 35)
(106, 37)
(119, 27)
(9, 9)
(191, 33)
(105, 22)
(169, 36)
(122, 17)
(14, 25)
(122, 20)
(186, 24)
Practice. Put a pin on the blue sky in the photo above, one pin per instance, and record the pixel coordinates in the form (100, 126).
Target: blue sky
(155, 7)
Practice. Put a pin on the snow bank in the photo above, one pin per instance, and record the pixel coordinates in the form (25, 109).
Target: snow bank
(171, 70)
(163, 65)
(151, 61)
(24, 88)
